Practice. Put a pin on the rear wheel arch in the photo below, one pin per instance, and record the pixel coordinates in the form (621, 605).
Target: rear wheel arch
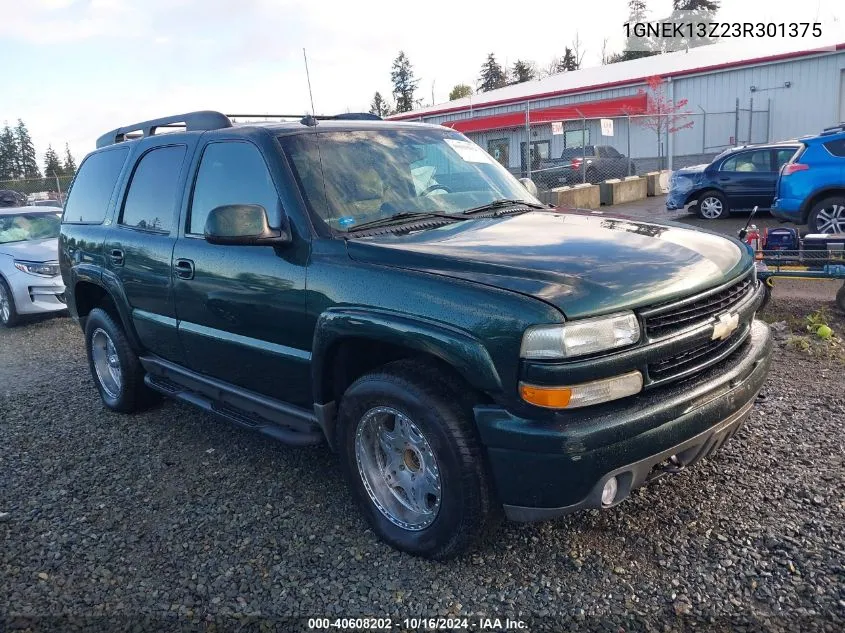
(88, 295)
(817, 197)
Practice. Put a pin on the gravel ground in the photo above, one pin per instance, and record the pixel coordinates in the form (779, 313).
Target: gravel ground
(187, 521)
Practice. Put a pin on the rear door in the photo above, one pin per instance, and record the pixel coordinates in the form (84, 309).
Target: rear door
(748, 179)
(139, 248)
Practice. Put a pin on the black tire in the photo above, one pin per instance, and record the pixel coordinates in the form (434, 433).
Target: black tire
(9, 316)
(712, 205)
(834, 209)
(767, 294)
(443, 416)
(131, 394)
(840, 298)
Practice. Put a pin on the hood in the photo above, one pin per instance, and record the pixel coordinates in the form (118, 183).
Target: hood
(692, 169)
(33, 250)
(584, 263)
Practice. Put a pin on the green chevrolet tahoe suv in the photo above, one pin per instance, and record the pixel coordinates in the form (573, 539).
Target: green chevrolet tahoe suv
(389, 289)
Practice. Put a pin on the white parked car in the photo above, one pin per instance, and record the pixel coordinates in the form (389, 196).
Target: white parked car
(30, 281)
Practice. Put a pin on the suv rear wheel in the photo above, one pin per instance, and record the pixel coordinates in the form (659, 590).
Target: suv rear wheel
(827, 216)
(115, 367)
(411, 456)
(712, 205)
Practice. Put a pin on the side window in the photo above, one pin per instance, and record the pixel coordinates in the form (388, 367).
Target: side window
(748, 162)
(152, 191)
(782, 157)
(837, 148)
(88, 198)
(602, 152)
(612, 153)
(231, 172)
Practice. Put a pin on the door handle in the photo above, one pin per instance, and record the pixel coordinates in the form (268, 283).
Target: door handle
(117, 256)
(184, 268)
(724, 179)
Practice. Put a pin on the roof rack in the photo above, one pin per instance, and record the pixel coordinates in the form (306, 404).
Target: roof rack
(192, 121)
(310, 119)
(205, 120)
(839, 127)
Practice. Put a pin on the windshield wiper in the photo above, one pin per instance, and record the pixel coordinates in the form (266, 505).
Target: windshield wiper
(503, 202)
(399, 218)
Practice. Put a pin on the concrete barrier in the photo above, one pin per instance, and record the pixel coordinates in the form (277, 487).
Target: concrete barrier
(658, 182)
(584, 196)
(615, 191)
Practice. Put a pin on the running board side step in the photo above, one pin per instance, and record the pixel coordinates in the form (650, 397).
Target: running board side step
(283, 422)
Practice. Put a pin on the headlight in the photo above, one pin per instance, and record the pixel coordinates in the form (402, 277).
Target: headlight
(576, 338)
(42, 269)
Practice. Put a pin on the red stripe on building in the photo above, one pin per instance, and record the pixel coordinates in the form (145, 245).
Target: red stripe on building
(588, 109)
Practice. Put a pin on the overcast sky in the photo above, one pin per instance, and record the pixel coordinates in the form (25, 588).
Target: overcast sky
(72, 69)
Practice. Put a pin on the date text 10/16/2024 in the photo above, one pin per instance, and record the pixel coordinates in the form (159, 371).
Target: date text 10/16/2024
(424, 624)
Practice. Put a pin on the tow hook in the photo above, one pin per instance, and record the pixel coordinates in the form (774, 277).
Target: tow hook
(671, 466)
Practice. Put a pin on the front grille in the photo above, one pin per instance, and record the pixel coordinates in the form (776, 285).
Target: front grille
(695, 358)
(680, 315)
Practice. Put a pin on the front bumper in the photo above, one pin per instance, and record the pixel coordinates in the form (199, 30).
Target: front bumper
(548, 469)
(34, 295)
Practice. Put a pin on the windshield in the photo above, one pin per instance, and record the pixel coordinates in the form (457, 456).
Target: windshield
(358, 176)
(22, 227)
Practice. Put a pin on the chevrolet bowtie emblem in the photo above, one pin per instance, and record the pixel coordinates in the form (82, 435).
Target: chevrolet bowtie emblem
(725, 326)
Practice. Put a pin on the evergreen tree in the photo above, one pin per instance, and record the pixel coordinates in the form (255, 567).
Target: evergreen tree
(522, 71)
(52, 166)
(709, 6)
(404, 83)
(459, 92)
(637, 10)
(69, 168)
(568, 61)
(379, 106)
(492, 75)
(636, 48)
(8, 154)
(27, 162)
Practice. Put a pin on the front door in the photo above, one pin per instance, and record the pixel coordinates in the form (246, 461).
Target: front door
(241, 309)
(139, 247)
(748, 179)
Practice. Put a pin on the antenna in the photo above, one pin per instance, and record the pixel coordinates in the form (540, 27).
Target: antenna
(308, 76)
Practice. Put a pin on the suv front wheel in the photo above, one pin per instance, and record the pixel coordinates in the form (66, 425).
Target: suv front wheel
(410, 452)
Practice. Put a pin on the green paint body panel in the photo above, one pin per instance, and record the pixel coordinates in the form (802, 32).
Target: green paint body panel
(269, 318)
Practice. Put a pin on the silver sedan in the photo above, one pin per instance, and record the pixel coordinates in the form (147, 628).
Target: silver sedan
(30, 281)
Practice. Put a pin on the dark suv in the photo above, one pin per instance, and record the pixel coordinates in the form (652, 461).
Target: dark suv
(390, 289)
(592, 164)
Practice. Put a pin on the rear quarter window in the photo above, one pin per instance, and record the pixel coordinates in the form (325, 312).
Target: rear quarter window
(92, 189)
(837, 148)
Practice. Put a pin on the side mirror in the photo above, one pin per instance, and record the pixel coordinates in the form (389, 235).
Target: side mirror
(243, 224)
(530, 186)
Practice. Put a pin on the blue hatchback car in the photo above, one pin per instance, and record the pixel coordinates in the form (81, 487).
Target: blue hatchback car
(738, 178)
(811, 187)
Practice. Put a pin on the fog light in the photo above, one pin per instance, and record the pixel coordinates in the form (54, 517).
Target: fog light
(608, 493)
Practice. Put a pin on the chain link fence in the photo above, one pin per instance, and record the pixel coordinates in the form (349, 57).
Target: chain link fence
(30, 190)
(593, 149)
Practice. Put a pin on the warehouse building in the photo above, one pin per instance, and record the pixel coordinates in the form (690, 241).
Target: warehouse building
(733, 93)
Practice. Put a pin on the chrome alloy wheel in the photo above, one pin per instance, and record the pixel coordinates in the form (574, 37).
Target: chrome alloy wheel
(831, 219)
(398, 468)
(5, 306)
(106, 362)
(711, 207)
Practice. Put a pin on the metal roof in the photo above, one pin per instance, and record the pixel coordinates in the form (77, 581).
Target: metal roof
(705, 59)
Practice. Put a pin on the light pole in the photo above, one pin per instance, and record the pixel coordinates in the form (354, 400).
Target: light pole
(58, 185)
